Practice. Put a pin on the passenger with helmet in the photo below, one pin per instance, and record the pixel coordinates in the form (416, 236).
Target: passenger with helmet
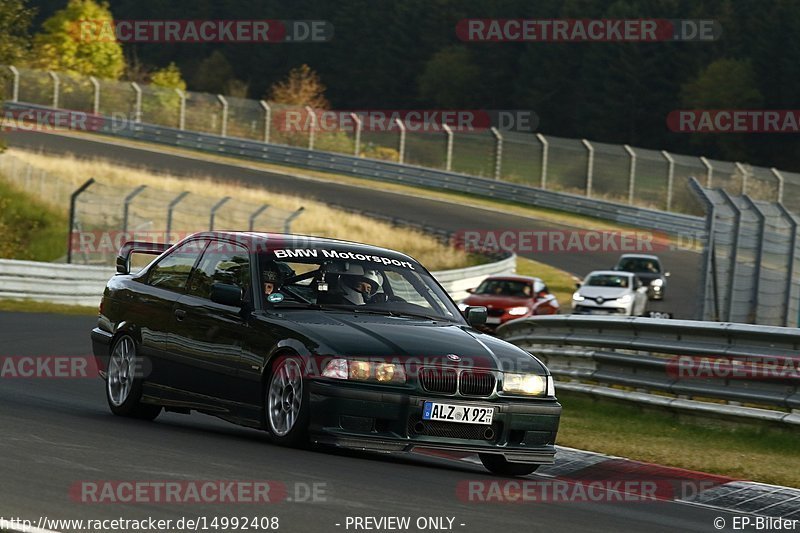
(270, 278)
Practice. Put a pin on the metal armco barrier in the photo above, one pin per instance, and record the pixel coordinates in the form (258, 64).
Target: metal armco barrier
(678, 365)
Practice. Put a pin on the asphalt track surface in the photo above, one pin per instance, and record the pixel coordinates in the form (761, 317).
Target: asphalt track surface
(682, 289)
(55, 433)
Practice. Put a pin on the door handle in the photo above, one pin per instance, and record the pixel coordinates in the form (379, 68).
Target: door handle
(180, 314)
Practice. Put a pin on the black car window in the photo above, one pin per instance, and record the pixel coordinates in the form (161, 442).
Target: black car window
(501, 287)
(172, 271)
(640, 264)
(222, 262)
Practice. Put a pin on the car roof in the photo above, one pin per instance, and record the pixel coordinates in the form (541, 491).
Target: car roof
(513, 277)
(639, 256)
(609, 273)
(264, 241)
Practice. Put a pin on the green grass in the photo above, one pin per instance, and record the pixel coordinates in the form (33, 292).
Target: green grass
(26, 306)
(765, 455)
(30, 229)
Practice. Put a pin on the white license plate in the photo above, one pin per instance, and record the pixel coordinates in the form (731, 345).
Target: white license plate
(493, 320)
(464, 414)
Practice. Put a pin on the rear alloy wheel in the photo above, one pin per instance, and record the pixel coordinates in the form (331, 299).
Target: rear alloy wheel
(497, 464)
(286, 403)
(123, 387)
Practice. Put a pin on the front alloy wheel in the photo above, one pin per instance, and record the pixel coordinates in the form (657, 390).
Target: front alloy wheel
(286, 403)
(123, 387)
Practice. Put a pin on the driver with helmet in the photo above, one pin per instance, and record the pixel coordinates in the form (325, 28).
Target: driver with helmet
(359, 285)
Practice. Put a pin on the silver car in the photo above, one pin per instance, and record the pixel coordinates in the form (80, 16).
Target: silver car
(609, 292)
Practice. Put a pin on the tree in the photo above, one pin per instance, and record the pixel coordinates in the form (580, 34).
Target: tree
(15, 41)
(449, 78)
(301, 88)
(80, 39)
(169, 77)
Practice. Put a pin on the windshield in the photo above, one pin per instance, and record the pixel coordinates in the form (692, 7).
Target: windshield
(640, 264)
(375, 284)
(501, 287)
(607, 280)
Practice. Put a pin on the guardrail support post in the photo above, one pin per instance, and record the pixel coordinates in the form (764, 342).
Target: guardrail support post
(740, 167)
(448, 161)
(175, 201)
(498, 153)
(137, 109)
(777, 174)
(267, 118)
(56, 85)
(402, 147)
(127, 204)
(95, 95)
(545, 157)
(312, 131)
(759, 255)
(631, 173)
(709, 171)
(15, 86)
(287, 224)
(357, 149)
(72, 208)
(737, 225)
(670, 177)
(255, 215)
(589, 167)
(790, 268)
(181, 111)
(214, 212)
(224, 126)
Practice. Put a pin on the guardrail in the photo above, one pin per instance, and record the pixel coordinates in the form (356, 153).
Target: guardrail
(673, 223)
(718, 369)
(84, 285)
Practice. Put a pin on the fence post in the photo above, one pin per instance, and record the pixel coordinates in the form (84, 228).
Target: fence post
(15, 86)
(287, 224)
(448, 161)
(709, 171)
(759, 255)
(545, 156)
(498, 153)
(56, 84)
(357, 150)
(631, 173)
(790, 266)
(744, 172)
(255, 214)
(734, 250)
(213, 212)
(170, 209)
(589, 167)
(670, 177)
(181, 111)
(402, 147)
(126, 206)
(267, 118)
(96, 95)
(72, 206)
(224, 127)
(707, 257)
(312, 131)
(137, 110)
(777, 174)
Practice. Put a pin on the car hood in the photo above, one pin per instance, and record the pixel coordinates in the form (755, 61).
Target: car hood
(365, 335)
(608, 293)
(502, 302)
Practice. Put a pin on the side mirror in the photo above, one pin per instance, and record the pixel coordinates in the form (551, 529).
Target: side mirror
(476, 315)
(578, 285)
(666, 274)
(225, 294)
(471, 291)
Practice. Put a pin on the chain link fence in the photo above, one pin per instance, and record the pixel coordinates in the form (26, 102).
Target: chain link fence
(624, 174)
(103, 216)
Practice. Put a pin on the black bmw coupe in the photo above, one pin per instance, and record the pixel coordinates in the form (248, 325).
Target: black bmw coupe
(319, 341)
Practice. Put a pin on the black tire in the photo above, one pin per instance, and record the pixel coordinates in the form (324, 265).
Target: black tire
(281, 397)
(497, 464)
(122, 372)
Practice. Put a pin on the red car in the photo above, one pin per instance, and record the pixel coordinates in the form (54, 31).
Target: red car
(511, 297)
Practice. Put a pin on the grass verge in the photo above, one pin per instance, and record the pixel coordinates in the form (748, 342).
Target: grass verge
(30, 229)
(28, 306)
(764, 455)
(560, 283)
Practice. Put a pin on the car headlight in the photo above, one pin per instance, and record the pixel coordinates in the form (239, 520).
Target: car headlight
(355, 370)
(462, 306)
(624, 299)
(658, 282)
(528, 384)
(577, 297)
(518, 311)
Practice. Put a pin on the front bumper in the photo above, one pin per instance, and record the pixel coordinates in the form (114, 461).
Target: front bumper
(604, 309)
(376, 419)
